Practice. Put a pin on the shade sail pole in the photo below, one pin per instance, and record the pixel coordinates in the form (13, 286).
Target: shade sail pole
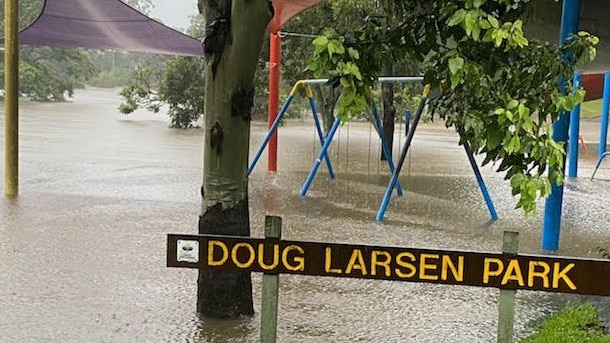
(11, 81)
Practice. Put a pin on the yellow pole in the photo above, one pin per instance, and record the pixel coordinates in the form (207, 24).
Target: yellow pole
(11, 81)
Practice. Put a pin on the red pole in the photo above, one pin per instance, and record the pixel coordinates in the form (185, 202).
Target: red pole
(275, 49)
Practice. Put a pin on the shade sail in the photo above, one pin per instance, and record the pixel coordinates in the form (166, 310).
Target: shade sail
(286, 9)
(111, 24)
(105, 24)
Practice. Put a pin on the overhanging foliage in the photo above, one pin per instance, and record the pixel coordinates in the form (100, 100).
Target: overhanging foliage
(500, 91)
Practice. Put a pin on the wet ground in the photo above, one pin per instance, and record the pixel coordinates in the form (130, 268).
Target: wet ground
(82, 249)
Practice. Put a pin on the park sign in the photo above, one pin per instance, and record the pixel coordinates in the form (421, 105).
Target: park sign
(500, 270)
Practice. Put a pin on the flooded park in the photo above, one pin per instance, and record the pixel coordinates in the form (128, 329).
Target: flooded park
(83, 247)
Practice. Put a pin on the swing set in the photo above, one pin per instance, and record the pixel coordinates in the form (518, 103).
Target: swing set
(326, 141)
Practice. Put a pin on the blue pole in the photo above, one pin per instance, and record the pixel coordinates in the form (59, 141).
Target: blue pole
(403, 155)
(603, 134)
(384, 143)
(574, 132)
(552, 214)
(276, 123)
(316, 165)
(314, 110)
(482, 186)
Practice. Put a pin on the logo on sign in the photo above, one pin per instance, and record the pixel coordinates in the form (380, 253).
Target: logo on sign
(188, 251)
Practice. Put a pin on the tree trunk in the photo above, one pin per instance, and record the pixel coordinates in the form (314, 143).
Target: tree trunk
(389, 111)
(327, 97)
(232, 45)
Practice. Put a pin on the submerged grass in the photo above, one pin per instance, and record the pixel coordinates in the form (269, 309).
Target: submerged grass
(577, 324)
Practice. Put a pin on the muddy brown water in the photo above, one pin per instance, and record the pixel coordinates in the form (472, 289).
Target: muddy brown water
(82, 249)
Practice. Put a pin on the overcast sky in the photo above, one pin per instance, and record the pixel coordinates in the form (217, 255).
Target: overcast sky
(174, 13)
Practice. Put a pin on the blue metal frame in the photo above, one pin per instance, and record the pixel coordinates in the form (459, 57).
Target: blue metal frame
(275, 125)
(574, 132)
(482, 186)
(603, 133)
(599, 162)
(403, 155)
(323, 152)
(552, 215)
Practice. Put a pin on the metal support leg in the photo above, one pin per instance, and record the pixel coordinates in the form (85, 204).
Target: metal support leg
(405, 149)
(272, 130)
(316, 119)
(482, 186)
(324, 150)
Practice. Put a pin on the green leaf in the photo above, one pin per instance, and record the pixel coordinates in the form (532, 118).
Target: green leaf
(494, 137)
(335, 47)
(493, 22)
(512, 104)
(320, 41)
(456, 64)
(457, 18)
(455, 80)
(471, 23)
(353, 53)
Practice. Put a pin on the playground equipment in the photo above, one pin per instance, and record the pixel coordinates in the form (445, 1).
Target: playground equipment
(594, 86)
(326, 141)
(603, 135)
(599, 162)
(376, 122)
(411, 132)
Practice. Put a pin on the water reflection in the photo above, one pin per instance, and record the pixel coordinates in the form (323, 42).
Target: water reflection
(82, 250)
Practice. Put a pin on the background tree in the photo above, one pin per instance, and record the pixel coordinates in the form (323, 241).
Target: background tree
(177, 82)
(47, 74)
(113, 68)
(144, 6)
(499, 90)
(344, 16)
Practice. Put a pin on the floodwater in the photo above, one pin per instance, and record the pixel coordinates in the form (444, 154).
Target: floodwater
(82, 249)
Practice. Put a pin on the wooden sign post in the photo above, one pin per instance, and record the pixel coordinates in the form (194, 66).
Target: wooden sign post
(506, 304)
(273, 230)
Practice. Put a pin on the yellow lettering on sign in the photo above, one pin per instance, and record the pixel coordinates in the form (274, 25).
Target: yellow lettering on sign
(457, 272)
(300, 260)
(513, 272)
(385, 263)
(261, 257)
(562, 275)
(223, 249)
(543, 274)
(423, 267)
(356, 255)
(404, 264)
(328, 263)
(488, 272)
(250, 260)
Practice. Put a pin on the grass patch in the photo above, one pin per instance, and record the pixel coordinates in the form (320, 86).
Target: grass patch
(577, 324)
(591, 109)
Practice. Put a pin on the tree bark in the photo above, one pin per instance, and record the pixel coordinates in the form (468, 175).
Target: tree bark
(327, 97)
(232, 45)
(389, 111)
